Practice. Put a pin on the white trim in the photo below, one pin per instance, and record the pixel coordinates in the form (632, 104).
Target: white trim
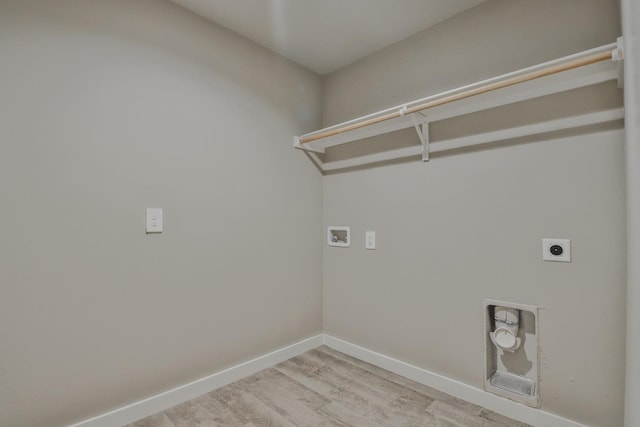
(160, 402)
(151, 405)
(503, 406)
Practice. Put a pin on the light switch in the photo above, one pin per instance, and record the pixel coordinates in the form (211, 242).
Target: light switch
(154, 220)
(370, 240)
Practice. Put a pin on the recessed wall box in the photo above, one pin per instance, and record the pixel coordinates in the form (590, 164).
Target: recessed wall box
(511, 340)
(338, 236)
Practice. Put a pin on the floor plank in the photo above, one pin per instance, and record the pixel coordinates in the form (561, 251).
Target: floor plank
(462, 405)
(250, 408)
(157, 420)
(326, 388)
(383, 401)
(219, 411)
(190, 414)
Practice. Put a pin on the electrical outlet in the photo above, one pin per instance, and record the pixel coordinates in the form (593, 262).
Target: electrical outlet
(154, 220)
(558, 250)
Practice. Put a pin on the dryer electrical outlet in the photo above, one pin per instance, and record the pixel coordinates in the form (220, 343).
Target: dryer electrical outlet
(558, 250)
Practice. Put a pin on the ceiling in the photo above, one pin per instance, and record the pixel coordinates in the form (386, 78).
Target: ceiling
(326, 35)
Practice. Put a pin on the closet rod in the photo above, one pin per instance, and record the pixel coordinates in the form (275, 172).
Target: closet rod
(553, 69)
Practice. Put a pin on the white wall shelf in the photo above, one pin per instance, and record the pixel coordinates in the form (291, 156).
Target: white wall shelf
(583, 69)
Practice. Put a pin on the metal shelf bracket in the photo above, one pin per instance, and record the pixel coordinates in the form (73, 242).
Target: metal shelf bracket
(422, 128)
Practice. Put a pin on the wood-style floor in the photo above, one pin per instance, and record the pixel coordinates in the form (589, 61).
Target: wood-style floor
(324, 387)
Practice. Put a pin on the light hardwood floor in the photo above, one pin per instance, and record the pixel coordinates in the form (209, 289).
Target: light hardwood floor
(324, 387)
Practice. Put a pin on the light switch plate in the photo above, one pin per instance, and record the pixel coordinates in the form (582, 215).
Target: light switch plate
(551, 245)
(370, 240)
(154, 220)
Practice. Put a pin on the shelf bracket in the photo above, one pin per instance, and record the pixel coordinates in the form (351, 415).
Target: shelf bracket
(422, 128)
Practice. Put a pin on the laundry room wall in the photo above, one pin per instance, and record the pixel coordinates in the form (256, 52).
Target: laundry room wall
(109, 107)
(468, 225)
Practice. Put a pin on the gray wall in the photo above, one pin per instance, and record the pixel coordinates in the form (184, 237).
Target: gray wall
(468, 225)
(110, 107)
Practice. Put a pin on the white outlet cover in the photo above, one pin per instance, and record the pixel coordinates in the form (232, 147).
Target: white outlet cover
(154, 220)
(565, 244)
(370, 240)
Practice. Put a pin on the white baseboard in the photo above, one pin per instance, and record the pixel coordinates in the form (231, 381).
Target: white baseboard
(160, 402)
(506, 407)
